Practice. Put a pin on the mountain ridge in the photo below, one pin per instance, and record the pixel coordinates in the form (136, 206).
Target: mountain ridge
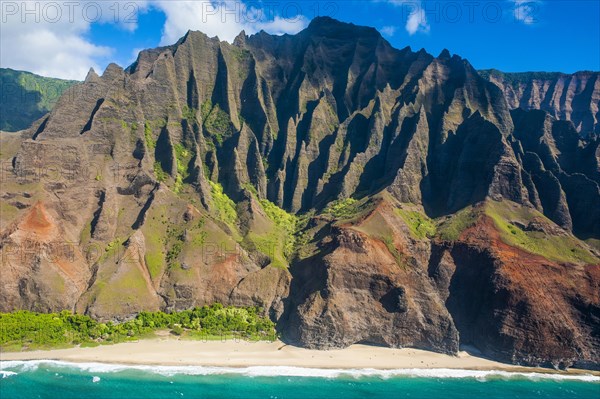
(26, 97)
(574, 97)
(406, 181)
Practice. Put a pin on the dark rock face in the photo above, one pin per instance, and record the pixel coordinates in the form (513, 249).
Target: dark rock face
(355, 290)
(563, 169)
(570, 97)
(510, 316)
(136, 169)
(331, 112)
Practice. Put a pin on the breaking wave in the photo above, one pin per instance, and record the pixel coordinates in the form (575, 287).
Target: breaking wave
(9, 368)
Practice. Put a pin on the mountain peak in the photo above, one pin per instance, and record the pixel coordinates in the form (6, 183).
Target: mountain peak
(112, 71)
(91, 75)
(240, 39)
(320, 21)
(192, 35)
(332, 26)
(444, 55)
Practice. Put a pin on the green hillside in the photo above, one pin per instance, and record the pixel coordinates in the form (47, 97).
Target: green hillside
(26, 97)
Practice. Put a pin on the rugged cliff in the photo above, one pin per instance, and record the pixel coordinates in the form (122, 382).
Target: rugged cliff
(571, 97)
(357, 192)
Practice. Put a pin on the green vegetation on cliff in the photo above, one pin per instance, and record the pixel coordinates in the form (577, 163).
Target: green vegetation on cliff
(343, 208)
(168, 239)
(149, 138)
(594, 243)
(516, 78)
(279, 242)
(349, 209)
(419, 224)
(217, 123)
(512, 220)
(155, 234)
(27, 97)
(189, 113)
(29, 330)
(160, 174)
(205, 109)
(452, 227)
(183, 157)
(277, 237)
(286, 221)
(520, 227)
(225, 206)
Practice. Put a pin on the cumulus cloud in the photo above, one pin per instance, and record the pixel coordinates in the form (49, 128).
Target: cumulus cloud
(52, 38)
(48, 39)
(417, 22)
(388, 30)
(49, 53)
(525, 11)
(225, 19)
(279, 25)
(417, 18)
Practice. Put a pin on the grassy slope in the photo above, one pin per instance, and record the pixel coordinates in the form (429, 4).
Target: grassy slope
(27, 97)
(419, 225)
(507, 218)
(450, 228)
(277, 238)
(559, 248)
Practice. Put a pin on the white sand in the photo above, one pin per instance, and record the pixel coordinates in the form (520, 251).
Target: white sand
(174, 352)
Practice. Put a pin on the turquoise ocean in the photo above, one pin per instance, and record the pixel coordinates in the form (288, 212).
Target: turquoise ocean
(62, 380)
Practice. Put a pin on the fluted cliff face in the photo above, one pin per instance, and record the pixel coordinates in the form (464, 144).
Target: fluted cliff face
(329, 112)
(357, 192)
(570, 97)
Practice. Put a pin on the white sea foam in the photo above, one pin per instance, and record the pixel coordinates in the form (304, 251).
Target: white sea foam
(12, 367)
(5, 373)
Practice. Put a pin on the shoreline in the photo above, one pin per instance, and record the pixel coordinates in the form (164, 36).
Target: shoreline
(171, 352)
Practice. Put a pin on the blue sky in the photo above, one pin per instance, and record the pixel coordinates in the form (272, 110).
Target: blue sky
(511, 35)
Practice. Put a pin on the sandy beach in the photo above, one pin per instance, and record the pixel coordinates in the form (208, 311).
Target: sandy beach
(174, 352)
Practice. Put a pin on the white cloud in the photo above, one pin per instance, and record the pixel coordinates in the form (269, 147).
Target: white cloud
(279, 25)
(388, 30)
(417, 18)
(417, 22)
(52, 38)
(225, 19)
(182, 16)
(525, 11)
(48, 53)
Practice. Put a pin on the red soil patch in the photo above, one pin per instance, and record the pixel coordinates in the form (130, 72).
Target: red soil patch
(485, 234)
(545, 283)
(37, 221)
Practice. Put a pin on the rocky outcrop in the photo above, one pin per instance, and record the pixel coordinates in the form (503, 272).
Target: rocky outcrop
(42, 270)
(368, 283)
(526, 309)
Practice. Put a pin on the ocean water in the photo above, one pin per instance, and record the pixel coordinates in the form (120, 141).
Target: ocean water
(61, 380)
